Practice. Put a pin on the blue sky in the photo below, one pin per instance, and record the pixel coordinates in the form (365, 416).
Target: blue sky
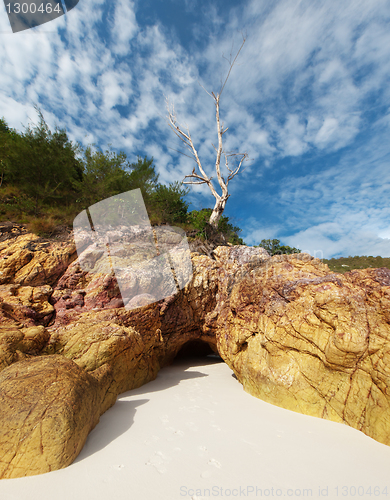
(309, 100)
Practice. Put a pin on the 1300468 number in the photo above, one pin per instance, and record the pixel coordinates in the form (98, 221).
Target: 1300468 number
(32, 8)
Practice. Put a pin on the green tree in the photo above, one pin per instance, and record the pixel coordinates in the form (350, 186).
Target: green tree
(143, 176)
(167, 202)
(274, 247)
(104, 174)
(4, 148)
(3, 125)
(43, 164)
(107, 174)
(45, 172)
(9, 139)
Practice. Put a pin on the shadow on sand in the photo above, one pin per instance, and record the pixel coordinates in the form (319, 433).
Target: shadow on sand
(120, 417)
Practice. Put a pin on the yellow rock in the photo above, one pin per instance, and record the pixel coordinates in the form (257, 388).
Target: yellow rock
(93, 342)
(314, 342)
(25, 305)
(48, 405)
(30, 260)
(17, 344)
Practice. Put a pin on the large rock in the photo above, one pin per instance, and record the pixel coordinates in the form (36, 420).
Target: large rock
(137, 343)
(318, 343)
(102, 340)
(48, 406)
(31, 260)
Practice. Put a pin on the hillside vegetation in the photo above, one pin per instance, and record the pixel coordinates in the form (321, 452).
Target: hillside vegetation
(339, 265)
(344, 264)
(46, 180)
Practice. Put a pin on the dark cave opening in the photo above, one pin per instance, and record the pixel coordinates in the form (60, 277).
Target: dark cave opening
(195, 349)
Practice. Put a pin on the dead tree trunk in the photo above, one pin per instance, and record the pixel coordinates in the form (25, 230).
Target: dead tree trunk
(201, 177)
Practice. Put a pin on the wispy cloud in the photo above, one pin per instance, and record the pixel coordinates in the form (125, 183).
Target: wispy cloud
(342, 209)
(124, 26)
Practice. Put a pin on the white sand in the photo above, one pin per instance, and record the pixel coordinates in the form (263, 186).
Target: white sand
(194, 433)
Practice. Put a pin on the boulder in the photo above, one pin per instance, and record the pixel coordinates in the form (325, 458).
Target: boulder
(21, 343)
(311, 341)
(48, 406)
(102, 340)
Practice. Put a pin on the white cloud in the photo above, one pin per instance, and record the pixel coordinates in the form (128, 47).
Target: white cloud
(125, 26)
(327, 240)
(292, 137)
(112, 87)
(17, 113)
(328, 131)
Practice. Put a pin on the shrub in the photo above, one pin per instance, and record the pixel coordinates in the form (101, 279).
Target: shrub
(199, 220)
(43, 226)
(274, 247)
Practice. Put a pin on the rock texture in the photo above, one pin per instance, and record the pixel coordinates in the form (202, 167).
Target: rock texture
(294, 334)
(21, 343)
(48, 407)
(29, 267)
(311, 341)
(30, 260)
(25, 305)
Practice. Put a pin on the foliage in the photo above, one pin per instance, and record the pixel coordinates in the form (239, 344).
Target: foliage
(43, 226)
(7, 137)
(168, 203)
(3, 126)
(42, 163)
(103, 175)
(143, 176)
(199, 220)
(274, 247)
(44, 176)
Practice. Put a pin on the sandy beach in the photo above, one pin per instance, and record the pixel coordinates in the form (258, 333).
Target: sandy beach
(194, 433)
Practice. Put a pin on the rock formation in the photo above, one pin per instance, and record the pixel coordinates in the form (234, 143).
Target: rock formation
(48, 407)
(294, 334)
(312, 341)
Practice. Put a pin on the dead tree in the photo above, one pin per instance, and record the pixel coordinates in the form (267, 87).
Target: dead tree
(201, 176)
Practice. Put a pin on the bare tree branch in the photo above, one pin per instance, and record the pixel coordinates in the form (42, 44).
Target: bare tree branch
(181, 152)
(232, 64)
(184, 135)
